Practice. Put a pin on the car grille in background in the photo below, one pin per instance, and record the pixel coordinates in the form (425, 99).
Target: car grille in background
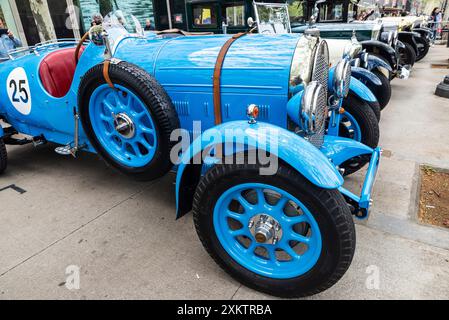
(321, 75)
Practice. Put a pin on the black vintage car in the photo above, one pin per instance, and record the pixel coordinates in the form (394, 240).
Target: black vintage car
(339, 18)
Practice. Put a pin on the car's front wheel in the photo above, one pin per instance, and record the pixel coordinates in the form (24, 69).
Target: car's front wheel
(407, 56)
(382, 92)
(3, 156)
(278, 234)
(358, 122)
(423, 48)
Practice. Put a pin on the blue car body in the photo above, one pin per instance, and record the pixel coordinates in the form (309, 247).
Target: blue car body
(184, 67)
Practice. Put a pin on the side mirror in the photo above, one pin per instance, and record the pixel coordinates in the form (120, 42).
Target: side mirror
(96, 35)
(250, 22)
(100, 37)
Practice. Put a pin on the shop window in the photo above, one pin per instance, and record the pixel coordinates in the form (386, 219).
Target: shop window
(331, 12)
(235, 15)
(204, 15)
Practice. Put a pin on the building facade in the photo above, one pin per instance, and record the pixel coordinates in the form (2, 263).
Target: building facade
(35, 21)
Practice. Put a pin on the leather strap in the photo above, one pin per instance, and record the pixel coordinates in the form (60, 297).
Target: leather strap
(106, 73)
(79, 45)
(217, 75)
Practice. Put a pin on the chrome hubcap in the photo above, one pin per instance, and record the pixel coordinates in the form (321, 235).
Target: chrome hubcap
(124, 125)
(265, 229)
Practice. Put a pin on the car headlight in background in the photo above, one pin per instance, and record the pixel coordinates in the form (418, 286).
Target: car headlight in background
(395, 38)
(302, 62)
(387, 37)
(342, 79)
(352, 50)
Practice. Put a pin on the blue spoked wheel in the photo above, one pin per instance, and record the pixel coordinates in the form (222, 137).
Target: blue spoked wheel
(349, 127)
(277, 234)
(257, 225)
(130, 124)
(123, 125)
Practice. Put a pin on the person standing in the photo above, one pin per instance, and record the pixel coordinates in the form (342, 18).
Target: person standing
(7, 41)
(436, 18)
(148, 26)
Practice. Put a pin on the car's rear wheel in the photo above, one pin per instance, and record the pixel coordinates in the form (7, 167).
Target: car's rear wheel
(129, 124)
(278, 234)
(423, 47)
(3, 156)
(407, 56)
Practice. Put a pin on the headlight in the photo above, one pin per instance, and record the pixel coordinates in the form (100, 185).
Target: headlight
(302, 63)
(387, 37)
(352, 50)
(310, 112)
(395, 37)
(342, 79)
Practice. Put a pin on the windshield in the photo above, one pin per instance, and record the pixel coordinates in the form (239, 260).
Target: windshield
(119, 24)
(297, 11)
(367, 10)
(272, 17)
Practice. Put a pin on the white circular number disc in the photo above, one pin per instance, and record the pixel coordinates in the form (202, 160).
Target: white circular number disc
(18, 89)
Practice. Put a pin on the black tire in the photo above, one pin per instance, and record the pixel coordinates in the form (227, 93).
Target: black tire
(3, 156)
(369, 127)
(157, 103)
(407, 56)
(365, 117)
(423, 47)
(329, 210)
(382, 92)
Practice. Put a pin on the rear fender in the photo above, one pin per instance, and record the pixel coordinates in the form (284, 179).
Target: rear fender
(281, 143)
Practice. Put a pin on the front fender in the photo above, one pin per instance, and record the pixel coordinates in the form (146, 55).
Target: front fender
(424, 32)
(356, 86)
(382, 49)
(283, 144)
(365, 76)
(374, 63)
(409, 37)
(340, 149)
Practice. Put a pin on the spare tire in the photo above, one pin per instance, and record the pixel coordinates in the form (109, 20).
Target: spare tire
(130, 124)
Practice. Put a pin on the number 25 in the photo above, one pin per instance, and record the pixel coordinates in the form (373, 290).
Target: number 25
(22, 90)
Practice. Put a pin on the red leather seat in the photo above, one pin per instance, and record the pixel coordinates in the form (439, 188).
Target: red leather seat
(57, 70)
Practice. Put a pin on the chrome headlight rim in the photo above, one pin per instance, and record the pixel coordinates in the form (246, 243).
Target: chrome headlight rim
(342, 78)
(309, 107)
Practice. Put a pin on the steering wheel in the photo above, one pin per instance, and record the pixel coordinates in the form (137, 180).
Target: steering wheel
(79, 45)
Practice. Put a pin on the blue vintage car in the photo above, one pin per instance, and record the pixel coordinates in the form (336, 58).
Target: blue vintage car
(246, 122)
